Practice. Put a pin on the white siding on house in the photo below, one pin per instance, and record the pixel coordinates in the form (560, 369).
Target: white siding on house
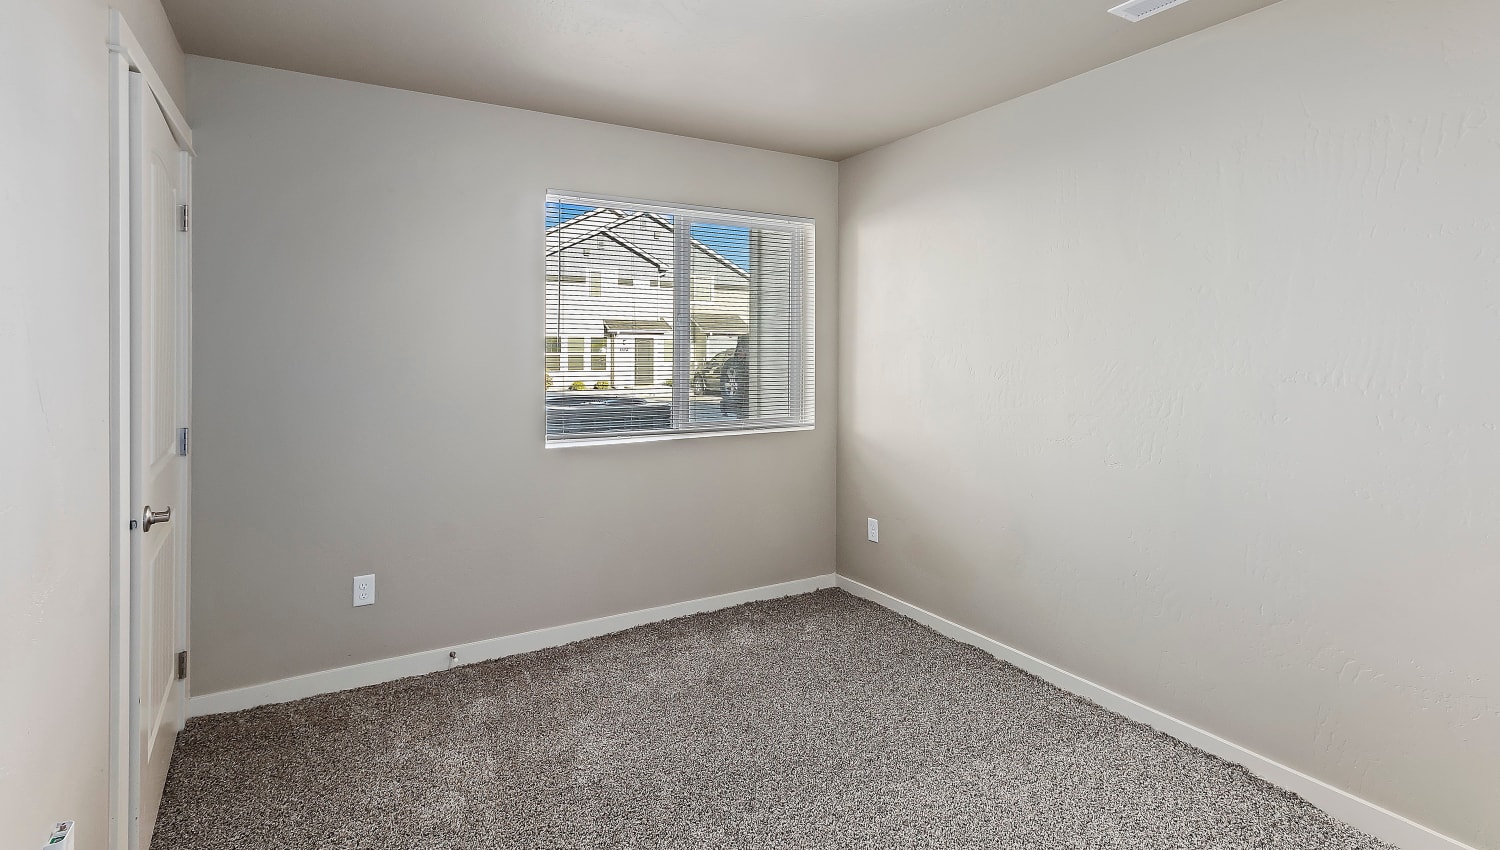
(607, 267)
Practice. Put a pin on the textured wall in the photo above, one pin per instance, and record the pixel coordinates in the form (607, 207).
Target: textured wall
(368, 397)
(54, 411)
(1182, 375)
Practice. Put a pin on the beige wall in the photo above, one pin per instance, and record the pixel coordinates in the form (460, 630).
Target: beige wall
(54, 406)
(1181, 375)
(368, 397)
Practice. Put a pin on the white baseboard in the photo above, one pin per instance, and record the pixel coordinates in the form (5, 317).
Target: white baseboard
(1358, 813)
(388, 669)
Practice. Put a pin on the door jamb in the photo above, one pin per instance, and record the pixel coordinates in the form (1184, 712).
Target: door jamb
(126, 55)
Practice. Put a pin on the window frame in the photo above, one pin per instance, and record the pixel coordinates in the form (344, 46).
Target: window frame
(801, 319)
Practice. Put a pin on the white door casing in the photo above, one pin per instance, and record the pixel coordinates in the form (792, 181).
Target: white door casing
(136, 92)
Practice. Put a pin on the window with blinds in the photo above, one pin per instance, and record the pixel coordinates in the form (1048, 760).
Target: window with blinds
(667, 320)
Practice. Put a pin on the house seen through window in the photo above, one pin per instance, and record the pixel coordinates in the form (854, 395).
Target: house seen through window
(675, 320)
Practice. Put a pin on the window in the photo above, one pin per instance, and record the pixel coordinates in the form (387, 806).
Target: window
(554, 354)
(720, 341)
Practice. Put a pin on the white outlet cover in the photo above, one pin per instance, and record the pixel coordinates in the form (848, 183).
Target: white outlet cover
(873, 529)
(364, 590)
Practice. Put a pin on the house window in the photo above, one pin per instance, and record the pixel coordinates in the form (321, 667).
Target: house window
(554, 354)
(721, 341)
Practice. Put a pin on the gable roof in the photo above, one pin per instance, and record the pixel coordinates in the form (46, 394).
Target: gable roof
(597, 222)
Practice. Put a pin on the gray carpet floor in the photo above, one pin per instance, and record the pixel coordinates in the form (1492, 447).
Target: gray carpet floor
(812, 721)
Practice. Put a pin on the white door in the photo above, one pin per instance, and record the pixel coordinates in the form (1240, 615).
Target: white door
(158, 394)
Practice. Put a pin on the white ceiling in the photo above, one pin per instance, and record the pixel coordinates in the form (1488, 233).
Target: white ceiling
(826, 78)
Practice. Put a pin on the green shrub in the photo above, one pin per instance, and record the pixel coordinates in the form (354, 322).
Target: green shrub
(667, 382)
(601, 385)
(549, 381)
(576, 385)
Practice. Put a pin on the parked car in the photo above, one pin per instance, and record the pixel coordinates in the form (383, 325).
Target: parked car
(593, 413)
(734, 382)
(708, 379)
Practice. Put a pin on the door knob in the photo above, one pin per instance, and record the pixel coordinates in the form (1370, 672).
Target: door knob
(150, 517)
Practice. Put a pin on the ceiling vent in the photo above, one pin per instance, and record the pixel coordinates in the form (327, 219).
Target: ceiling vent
(1139, 10)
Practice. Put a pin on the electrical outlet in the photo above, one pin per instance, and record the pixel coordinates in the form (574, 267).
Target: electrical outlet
(872, 529)
(364, 590)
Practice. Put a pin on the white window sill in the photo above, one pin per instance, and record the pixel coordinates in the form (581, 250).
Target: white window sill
(672, 435)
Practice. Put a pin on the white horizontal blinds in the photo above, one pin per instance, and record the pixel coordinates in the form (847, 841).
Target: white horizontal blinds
(609, 320)
(742, 309)
(662, 320)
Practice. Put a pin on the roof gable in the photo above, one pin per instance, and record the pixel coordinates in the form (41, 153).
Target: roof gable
(608, 223)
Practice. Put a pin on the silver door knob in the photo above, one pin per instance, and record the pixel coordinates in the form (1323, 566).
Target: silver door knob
(150, 517)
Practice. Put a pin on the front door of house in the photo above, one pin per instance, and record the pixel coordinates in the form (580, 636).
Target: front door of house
(645, 361)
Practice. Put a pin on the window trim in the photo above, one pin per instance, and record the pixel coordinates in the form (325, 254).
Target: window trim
(620, 438)
(801, 315)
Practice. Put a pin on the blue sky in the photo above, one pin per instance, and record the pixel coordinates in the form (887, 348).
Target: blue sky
(732, 242)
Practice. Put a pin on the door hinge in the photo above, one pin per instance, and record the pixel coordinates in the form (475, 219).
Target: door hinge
(182, 664)
(182, 441)
(184, 217)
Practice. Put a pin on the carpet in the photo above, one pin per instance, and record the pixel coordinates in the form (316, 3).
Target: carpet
(812, 721)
